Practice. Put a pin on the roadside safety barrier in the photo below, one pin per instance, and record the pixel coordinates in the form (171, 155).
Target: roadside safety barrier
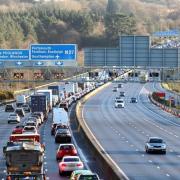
(173, 111)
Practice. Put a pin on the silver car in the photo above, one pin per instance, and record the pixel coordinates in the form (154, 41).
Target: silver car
(155, 144)
(13, 118)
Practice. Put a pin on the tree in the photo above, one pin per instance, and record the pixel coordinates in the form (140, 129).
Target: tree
(112, 7)
(119, 24)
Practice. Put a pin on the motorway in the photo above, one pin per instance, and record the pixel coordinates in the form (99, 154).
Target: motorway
(123, 132)
(50, 163)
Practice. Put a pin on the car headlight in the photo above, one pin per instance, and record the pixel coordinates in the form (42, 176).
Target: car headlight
(163, 146)
(150, 146)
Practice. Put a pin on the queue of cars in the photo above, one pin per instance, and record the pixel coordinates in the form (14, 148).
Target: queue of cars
(67, 154)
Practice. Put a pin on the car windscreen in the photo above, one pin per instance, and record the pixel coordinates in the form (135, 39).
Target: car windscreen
(29, 128)
(156, 141)
(66, 147)
(59, 131)
(13, 115)
(118, 101)
(71, 160)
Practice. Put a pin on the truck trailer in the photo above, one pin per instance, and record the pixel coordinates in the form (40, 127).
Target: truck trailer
(48, 93)
(39, 104)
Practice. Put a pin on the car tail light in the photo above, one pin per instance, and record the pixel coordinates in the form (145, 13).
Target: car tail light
(63, 165)
(74, 151)
(79, 164)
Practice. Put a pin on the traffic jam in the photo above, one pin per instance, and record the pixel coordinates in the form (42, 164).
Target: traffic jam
(24, 151)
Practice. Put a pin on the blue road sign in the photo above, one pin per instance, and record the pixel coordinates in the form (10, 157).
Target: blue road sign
(53, 51)
(14, 54)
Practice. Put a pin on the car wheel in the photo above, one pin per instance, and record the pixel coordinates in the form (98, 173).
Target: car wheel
(8, 122)
(164, 152)
(60, 173)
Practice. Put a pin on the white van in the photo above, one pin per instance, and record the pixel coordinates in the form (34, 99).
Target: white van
(20, 100)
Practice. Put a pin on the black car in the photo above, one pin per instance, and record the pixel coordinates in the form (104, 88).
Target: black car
(63, 136)
(120, 85)
(20, 112)
(122, 94)
(133, 100)
(9, 108)
(26, 108)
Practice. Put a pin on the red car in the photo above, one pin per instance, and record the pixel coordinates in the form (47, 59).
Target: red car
(65, 150)
(18, 129)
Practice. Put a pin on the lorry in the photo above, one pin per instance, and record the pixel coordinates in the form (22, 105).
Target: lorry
(38, 103)
(24, 160)
(20, 100)
(55, 93)
(143, 78)
(48, 93)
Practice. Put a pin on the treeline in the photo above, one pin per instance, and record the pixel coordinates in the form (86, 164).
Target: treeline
(42, 24)
(6, 95)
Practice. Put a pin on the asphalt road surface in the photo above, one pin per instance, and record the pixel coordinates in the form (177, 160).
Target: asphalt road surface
(123, 132)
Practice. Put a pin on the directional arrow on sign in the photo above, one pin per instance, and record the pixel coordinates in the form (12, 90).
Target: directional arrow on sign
(57, 56)
(39, 63)
(59, 63)
(19, 63)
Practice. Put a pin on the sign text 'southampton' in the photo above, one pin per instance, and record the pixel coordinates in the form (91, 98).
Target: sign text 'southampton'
(14, 54)
(53, 52)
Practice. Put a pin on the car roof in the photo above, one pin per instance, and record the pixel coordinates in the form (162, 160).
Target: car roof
(70, 144)
(29, 126)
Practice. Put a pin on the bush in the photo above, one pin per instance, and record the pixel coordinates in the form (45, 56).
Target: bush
(2, 96)
(6, 95)
(10, 95)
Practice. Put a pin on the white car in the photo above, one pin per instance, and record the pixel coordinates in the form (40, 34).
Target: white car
(31, 129)
(13, 118)
(69, 164)
(31, 123)
(155, 144)
(119, 103)
(40, 114)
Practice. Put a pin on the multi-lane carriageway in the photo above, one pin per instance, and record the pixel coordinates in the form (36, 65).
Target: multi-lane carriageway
(121, 132)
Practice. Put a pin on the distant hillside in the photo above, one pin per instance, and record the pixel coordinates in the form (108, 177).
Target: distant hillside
(85, 22)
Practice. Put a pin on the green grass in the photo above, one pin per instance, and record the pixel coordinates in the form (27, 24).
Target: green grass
(172, 86)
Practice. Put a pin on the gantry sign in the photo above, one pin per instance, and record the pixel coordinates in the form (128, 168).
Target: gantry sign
(133, 51)
(39, 55)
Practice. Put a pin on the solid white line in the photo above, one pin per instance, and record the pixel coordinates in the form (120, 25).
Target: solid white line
(98, 143)
(83, 157)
